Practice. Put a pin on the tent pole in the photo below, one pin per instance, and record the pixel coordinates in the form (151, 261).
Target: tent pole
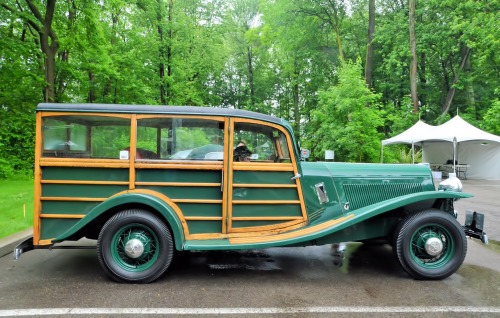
(382, 154)
(454, 154)
(413, 153)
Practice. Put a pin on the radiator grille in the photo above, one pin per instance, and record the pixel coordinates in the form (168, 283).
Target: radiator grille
(360, 195)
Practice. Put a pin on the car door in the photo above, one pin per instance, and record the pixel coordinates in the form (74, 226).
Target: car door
(263, 190)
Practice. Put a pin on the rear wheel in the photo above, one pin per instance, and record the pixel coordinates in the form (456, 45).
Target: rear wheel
(430, 245)
(135, 246)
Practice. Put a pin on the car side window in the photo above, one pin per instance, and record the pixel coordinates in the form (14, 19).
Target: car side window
(259, 143)
(75, 136)
(179, 139)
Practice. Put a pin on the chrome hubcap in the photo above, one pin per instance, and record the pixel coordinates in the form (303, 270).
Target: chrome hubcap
(433, 246)
(134, 248)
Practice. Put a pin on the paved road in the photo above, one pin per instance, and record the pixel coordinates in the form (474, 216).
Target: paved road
(287, 282)
(280, 279)
(486, 200)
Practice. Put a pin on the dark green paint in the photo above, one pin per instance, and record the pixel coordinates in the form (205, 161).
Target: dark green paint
(263, 177)
(175, 175)
(198, 193)
(257, 194)
(67, 207)
(255, 210)
(199, 227)
(50, 228)
(243, 224)
(200, 209)
(81, 190)
(84, 174)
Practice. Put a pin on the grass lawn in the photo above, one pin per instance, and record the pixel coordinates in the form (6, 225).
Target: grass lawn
(16, 206)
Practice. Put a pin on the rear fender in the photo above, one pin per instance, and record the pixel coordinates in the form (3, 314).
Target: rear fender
(156, 201)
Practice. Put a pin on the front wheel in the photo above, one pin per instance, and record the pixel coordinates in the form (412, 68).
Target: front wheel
(135, 246)
(430, 245)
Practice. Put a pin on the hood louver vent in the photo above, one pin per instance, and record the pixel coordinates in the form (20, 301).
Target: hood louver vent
(360, 195)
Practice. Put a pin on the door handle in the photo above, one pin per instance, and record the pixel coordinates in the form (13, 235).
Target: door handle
(297, 176)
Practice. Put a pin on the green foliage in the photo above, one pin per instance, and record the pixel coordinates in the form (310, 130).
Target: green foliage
(16, 206)
(278, 57)
(405, 156)
(492, 118)
(347, 119)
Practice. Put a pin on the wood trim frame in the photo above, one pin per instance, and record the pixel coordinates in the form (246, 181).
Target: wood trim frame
(200, 201)
(258, 185)
(268, 230)
(132, 151)
(246, 233)
(186, 116)
(85, 182)
(266, 202)
(38, 177)
(62, 216)
(290, 235)
(78, 199)
(203, 218)
(267, 218)
(98, 114)
(177, 184)
(198, 165)
(84, 163)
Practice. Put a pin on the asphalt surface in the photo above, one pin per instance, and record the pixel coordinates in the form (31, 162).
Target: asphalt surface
(278, 282)
(486, 200)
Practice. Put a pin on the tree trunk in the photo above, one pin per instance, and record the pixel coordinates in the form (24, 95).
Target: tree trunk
(251, 83)
(469, 88)
(369, 51)
(161, 54)
(413, 65)
(165, 51)
(91, 96)
(49, 44)
(451, 92)
(114, 19)
(168, 93)
(339, 44)
(422, 78)
(296, 108)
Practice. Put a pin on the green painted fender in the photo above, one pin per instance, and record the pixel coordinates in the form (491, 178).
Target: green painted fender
(165, 207)
(360, 215)
(388, 205)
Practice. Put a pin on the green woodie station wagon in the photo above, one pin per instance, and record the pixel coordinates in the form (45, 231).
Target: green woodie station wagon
(146, 181)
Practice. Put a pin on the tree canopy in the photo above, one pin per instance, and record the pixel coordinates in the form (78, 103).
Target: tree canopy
(339, 70)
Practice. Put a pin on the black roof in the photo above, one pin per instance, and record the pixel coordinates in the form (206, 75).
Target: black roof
(149, 109)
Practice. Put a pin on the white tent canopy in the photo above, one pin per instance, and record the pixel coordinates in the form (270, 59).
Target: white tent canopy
(416, 133)
(455, 139)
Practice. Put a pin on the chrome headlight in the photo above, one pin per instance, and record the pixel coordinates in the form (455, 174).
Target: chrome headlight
(451, 184)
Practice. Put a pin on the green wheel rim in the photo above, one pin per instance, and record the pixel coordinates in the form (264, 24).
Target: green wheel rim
(417, 246)
(138, 232)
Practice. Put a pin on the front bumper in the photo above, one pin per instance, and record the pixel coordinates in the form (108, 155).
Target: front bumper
(474, 225)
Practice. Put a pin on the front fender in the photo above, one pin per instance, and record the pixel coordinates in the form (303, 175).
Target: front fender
(394, 203)
(319, 231)
(157, 201)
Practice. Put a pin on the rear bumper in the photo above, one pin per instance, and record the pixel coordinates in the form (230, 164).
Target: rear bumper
(24, 246)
